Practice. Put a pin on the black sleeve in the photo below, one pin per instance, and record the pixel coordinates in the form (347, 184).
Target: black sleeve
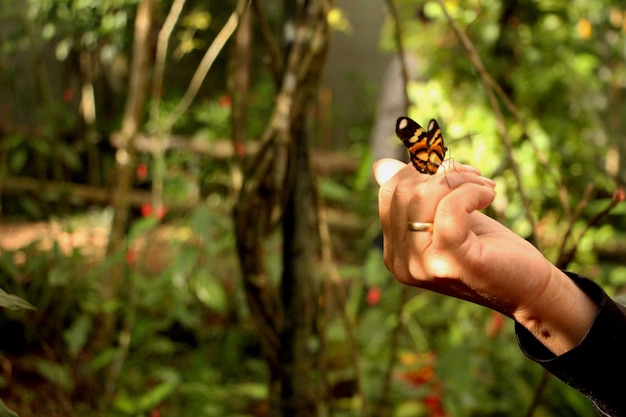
(596, 367)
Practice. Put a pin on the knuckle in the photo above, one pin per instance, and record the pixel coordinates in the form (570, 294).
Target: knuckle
(422, 192)
(405, 188)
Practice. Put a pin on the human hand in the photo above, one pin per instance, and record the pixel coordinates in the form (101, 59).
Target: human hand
(471, 256)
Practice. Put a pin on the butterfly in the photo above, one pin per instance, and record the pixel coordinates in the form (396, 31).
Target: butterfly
(426, 147)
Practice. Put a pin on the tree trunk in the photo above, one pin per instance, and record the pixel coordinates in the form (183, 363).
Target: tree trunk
(278, 189)
(298, 287)
(132, 121)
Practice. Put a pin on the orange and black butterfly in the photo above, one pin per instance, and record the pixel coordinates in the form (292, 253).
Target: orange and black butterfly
(426, 147)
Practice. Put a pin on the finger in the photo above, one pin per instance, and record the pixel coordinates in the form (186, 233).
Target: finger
(386, 168)
(388, 172)
(457, 178)
(395, 191)
(450, 166)
(407, 191)
(426, 196)
(453, 216)
(424, 200)
(410, 196)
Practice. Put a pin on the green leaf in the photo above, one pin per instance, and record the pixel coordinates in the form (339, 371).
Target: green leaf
(334, 191)
(153, 397)
(201, 221)
(199, 20)
(63, 49)
(13, 302)
(5, 411)
(76, 336)
(254, 390)
(142, 226)
(375, 272)
(31, 206)
(70, 157)
(17, 160)
(210, 291)
(103, 360)
(58, 374)
(58, 276)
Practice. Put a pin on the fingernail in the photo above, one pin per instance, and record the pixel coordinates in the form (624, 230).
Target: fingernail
(488, 181)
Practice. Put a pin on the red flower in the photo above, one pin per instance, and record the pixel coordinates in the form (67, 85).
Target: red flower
(160, 211)
(131, 257)
(373, 296)
(418, 376)
(240, 149)
(68, 95)
(433, 402)
(225, 101)
(141, 171)
(146, 209)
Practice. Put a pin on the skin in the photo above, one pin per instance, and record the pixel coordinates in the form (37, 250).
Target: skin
(470, 256)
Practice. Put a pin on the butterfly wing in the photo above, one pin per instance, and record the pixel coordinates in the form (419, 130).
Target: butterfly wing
(425, 147)
(436, 148)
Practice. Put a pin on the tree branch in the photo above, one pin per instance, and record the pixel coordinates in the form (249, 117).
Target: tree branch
(161, 56)
(566, 257)
(205, 64)
(334, 282)
(275, 55)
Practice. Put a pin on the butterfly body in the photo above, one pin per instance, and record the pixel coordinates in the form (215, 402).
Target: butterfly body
(426, 147)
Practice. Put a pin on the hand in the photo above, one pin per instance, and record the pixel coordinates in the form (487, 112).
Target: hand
(471, 256)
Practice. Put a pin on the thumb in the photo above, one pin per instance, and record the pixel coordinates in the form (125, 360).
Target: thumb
(386, 168)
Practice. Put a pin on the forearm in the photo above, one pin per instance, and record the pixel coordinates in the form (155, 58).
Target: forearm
(560, 316)
(597, 364)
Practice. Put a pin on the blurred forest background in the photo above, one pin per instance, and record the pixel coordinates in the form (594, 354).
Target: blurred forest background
(188, 221)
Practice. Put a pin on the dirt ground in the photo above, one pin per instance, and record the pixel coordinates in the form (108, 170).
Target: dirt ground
(91, 240)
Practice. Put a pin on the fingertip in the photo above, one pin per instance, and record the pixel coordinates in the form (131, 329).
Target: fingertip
(484, 195)
(488, 182)
(473, 169)
(386, 168)
(487, 197)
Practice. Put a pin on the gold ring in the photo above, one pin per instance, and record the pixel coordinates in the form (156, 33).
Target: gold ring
(420, 227)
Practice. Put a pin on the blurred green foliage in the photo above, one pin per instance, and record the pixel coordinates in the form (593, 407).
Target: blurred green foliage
(187, 345)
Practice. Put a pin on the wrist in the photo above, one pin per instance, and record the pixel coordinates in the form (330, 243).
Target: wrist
(560, 315)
